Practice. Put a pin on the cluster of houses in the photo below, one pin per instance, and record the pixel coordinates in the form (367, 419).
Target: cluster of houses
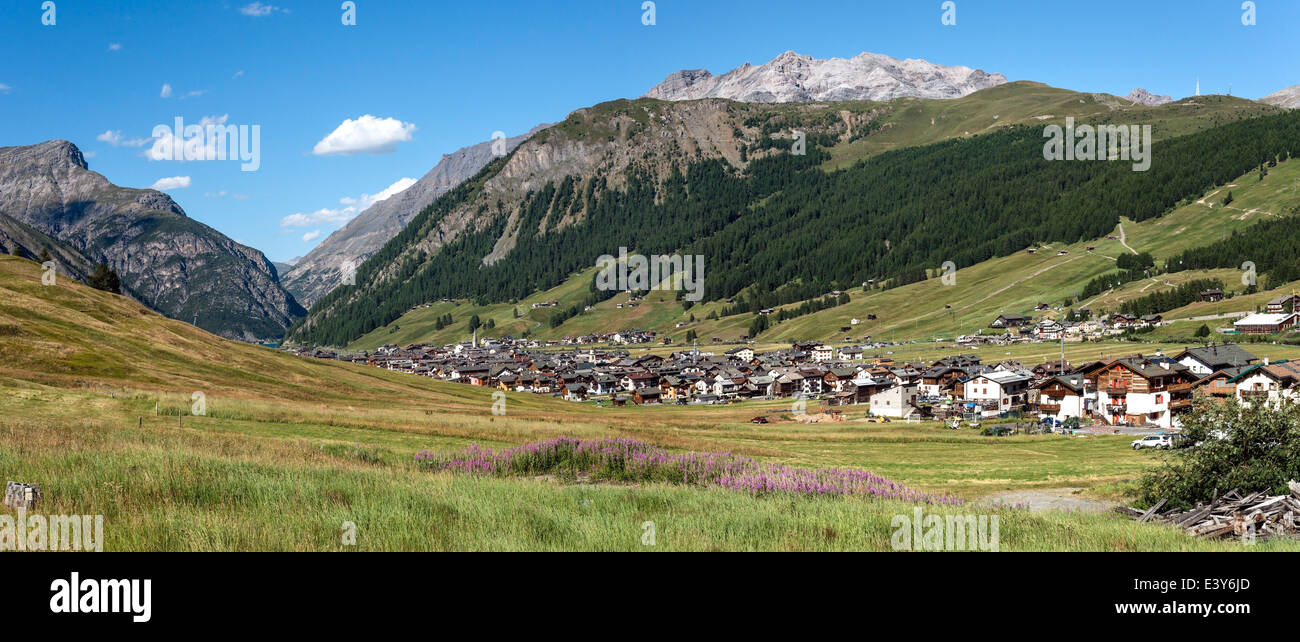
(1140, 391)
(1019, 328)
(1279, 315)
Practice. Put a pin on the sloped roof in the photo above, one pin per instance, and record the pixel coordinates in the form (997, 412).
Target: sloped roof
(1220, 356)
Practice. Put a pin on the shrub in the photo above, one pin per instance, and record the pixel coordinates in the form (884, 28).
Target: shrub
(1251, 449)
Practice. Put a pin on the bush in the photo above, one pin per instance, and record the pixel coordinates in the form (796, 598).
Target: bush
(1251, 449)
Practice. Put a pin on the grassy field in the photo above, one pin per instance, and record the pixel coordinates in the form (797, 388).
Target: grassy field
(96, 404)
(160, 488)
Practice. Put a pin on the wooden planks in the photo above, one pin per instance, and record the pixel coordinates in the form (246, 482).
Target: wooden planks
(1231, 515)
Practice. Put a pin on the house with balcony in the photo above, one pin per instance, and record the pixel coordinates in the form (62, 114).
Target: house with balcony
(1001, 390)
(1285, 304)
(941, 380)
(1219, 386)
(1274, 384)
(1063, 396)
(1140, 391)
(823, 353)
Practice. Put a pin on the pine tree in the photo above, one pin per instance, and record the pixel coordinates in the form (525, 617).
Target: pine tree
(105, 279)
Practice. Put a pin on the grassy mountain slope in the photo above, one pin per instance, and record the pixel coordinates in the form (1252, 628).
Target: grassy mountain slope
(1011, 284)
(912, 121)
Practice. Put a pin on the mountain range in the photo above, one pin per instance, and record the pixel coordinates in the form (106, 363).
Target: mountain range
(617, 174)
(788, 78)
(482, 201)
(50, 199)
(791, 77)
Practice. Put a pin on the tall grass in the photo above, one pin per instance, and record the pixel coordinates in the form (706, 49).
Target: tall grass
(161, 488)
(629, 460)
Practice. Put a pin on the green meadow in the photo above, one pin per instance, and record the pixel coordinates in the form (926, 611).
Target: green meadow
(97, 404)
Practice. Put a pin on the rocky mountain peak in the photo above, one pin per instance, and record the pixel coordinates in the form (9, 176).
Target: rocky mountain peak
(793, 77)
(1288, 98)
(166, 260)
(1144, 97)
(51, 154)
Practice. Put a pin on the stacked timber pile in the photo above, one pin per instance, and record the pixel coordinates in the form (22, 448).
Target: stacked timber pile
(1232, 515)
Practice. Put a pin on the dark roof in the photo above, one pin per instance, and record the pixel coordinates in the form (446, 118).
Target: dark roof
(1220, 356)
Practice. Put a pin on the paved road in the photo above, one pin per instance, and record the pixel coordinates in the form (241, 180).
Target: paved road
(1215, 317)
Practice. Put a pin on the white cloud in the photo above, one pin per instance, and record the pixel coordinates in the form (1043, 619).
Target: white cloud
(258, 10)
(198, 148)
(166, 91)
(365, 135)
(390, 191)
(214, 194)
(336, 217)
(323, 216)
(88, 154)
(237, 74)
(114, 137)
(4, 89)
(194, 94)
(310, 236)
(114, 46)
(173, 182)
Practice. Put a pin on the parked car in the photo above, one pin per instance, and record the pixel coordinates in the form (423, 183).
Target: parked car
(1152, 441)
(1162, 441)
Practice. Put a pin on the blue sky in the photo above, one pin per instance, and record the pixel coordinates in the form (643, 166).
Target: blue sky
(459, 71)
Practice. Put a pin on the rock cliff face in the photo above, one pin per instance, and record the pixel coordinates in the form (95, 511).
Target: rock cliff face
(168, 261)
(324, 268)
(1144, 97)
(791, 77)
(1288, 98)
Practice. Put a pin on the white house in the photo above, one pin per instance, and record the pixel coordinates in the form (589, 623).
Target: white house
(1207, 360)
(1063, 397)
(1275, 383)
(898, 401)
(1006, 389)
(745, 354)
